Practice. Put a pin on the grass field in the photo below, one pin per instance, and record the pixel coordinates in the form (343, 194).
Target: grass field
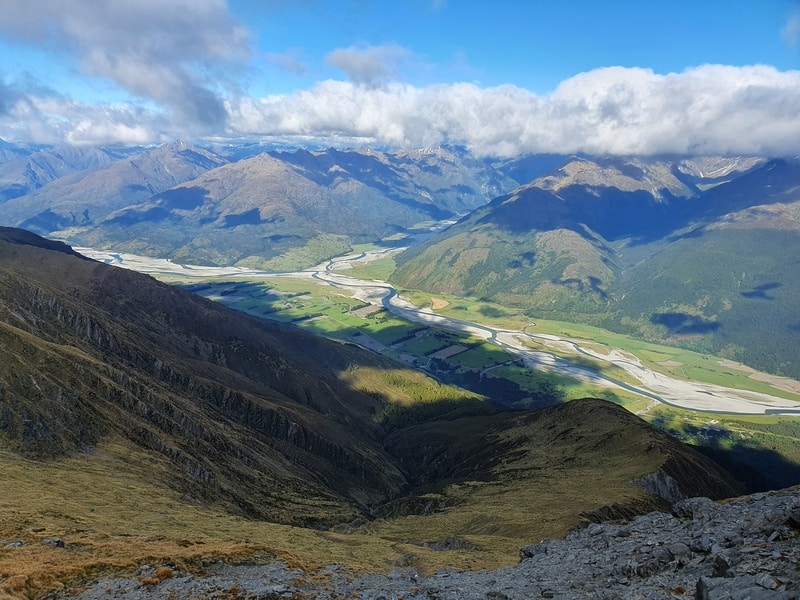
(379, 269)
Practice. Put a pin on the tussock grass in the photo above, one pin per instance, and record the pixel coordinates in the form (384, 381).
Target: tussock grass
(525, 480)
(113, 516)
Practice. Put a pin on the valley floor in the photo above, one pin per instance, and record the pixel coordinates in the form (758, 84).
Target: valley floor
(658, 386)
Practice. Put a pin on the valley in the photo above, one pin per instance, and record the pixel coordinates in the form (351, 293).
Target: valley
(421, 300)
(144, 424)
(686, 394)
(514, 348)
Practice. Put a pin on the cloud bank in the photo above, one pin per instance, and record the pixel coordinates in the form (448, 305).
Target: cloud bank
(710, 109)
(181, 62)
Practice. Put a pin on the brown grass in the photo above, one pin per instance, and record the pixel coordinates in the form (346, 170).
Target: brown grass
(530, 483)
(113, 518)
(437, 303)
(161, 574)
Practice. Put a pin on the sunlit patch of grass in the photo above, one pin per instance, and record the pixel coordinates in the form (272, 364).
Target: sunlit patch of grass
(380, 269)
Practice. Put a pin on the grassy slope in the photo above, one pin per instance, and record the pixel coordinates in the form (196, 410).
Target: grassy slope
(114, 512)
(495, 484)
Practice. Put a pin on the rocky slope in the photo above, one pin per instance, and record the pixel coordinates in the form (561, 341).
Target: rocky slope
(748, 548)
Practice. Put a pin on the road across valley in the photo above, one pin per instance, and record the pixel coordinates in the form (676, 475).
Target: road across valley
(692, 395)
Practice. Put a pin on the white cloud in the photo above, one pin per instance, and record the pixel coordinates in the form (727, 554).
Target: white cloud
(791, 31)
(175, 53)
(710, 109)
(291, 61)
(52, 119)
(706, 110)
(370, 65)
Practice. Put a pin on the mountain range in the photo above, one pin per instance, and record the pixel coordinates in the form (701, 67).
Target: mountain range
(683, 250)
(206, 206)
(699, 253)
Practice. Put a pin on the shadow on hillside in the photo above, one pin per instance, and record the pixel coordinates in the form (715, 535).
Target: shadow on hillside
(678, 323)
(236, 289)
(591, 284)
(756, 467)
(538, 393)
(396, 416)
(162, 207)
(392, 242)
(249, 217)
(759, 469)
(493, 311)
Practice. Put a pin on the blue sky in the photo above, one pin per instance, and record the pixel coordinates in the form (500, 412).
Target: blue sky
(527, 43)
(499, 76)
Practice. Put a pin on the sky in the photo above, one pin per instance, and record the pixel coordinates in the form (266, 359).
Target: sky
(501, 77)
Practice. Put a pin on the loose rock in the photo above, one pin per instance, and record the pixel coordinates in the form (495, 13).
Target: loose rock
(704, 550)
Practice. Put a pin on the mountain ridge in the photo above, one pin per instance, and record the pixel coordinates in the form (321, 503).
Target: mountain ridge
(363, 194)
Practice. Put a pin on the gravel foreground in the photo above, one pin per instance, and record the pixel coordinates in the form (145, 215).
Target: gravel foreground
(747, 548)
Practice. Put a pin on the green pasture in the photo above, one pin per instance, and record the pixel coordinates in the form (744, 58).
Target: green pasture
(379, 269)
(427, 344)
(677, 362)
(315, 251)
(480, 356)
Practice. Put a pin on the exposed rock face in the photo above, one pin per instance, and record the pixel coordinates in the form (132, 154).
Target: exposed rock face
(744, 548)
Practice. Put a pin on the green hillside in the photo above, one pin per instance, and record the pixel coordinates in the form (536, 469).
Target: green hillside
(718, 272)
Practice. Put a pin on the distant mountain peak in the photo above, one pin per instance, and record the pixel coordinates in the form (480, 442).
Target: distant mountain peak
(626, 174)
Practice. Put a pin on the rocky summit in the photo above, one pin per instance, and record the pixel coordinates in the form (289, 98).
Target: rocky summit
(745, 548)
